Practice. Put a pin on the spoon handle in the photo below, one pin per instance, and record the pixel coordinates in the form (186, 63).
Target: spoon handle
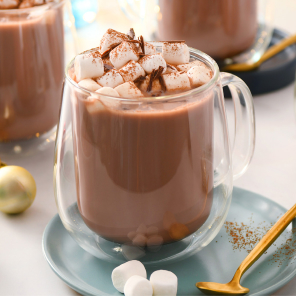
(266, 242)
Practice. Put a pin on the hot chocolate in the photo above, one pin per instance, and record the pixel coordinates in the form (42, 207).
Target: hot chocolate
(220, 28)
(31, 71)
(143, 171)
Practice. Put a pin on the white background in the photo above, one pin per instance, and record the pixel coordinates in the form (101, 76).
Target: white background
(272, 173)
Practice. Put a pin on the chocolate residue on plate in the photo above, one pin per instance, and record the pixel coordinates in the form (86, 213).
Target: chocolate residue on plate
(245, 237)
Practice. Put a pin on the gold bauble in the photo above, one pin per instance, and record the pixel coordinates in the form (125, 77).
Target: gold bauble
(17, 189)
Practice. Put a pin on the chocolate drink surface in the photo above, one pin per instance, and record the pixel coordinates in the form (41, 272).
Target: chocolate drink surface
(220, 28)
(144, 167)
(31, 73)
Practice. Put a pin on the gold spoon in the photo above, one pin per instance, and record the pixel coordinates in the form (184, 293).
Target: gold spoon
(273, 50)
(234, 287)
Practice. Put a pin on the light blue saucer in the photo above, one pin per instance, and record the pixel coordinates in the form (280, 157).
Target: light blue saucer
(217, 262)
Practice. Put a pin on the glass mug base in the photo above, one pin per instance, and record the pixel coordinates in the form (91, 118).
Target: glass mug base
(28, 147)
(153, 254)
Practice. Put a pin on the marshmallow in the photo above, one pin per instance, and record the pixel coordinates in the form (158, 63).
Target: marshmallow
(170, 69)
(111, 78)
(9, 4)
(149, 48)
(141, 229)
(89, 65)
(175, 53)
(31, 3)
(111, 38)
(164, 283)
(152, 62)
(140, 240)
(129, 90)
(107, 63)
(156, 86)
(122, 54)
(89, 84)
(131, 71)
(186, 67)
(107, 91)
(151, 230)
(125, 271)
(199, 75)
(132, 252)
(94, 105)
(176, 81)
(138, 286)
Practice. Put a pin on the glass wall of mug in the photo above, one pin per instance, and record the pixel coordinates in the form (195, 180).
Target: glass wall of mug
(32, 73)
(149, 179)
(228, 30)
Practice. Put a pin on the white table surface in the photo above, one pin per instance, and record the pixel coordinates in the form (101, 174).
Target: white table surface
(272, 173)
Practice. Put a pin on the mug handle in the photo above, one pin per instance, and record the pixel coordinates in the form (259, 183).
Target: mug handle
(245, 133)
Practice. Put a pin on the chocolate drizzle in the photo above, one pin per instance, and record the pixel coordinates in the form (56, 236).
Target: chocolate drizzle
(142, 44)
(140, 79)
(106, 52)
(155, 74)
(131, 34)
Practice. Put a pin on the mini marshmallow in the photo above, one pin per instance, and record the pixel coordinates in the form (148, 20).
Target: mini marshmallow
(186, 67)
(142, 229)
(140, 240)
(176, 81)
(94, 105)
(122, 273)
(111, 38)
(122, 54)
(164, 283)
(131, 71)
(89, 84)
(151, 230)
(154, 242)
(170, 69)
(152, 62)
(132, 252)
(108, 91)
(156, 86)
(129, 90)
(149, 48)
(199, 75)
(89, 65)
(175, 53)
(111, 78)
(9, 4)
(138, 286)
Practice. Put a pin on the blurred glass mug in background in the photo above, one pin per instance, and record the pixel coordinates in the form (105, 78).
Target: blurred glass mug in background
(32, 60)
(228, 30)
(155, 166)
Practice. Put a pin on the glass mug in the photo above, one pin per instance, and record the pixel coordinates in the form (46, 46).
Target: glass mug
(32, 73)
(228, 30)
(154, 176)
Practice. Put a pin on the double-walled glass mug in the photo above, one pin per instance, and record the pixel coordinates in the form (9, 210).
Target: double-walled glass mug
(32, 74)
(227, 30)
(151, 178)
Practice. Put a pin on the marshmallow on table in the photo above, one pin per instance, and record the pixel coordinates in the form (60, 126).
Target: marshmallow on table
(89, 65)
(129, 90)
(176, 81)
(122, 54)
(138, 286)
(131, 71)
(111, 38)
(175, 53)
(108, 91)
(89, 84)
(9, 4)
(111, 78)
(199, 75)
(186, 67)
(164, 283)
(152, 62)
(125, 271)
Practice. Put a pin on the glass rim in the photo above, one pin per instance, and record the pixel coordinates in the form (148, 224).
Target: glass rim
(195, 91)
(46, 6)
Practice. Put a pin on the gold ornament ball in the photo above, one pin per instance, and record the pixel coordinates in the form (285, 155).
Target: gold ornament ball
(17, 189)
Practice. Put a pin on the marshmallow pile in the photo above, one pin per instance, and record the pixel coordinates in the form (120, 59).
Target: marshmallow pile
(12, 4)
(130, 278)
(125, 67)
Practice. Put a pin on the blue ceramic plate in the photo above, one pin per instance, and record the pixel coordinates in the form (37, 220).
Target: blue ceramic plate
(217, 262)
